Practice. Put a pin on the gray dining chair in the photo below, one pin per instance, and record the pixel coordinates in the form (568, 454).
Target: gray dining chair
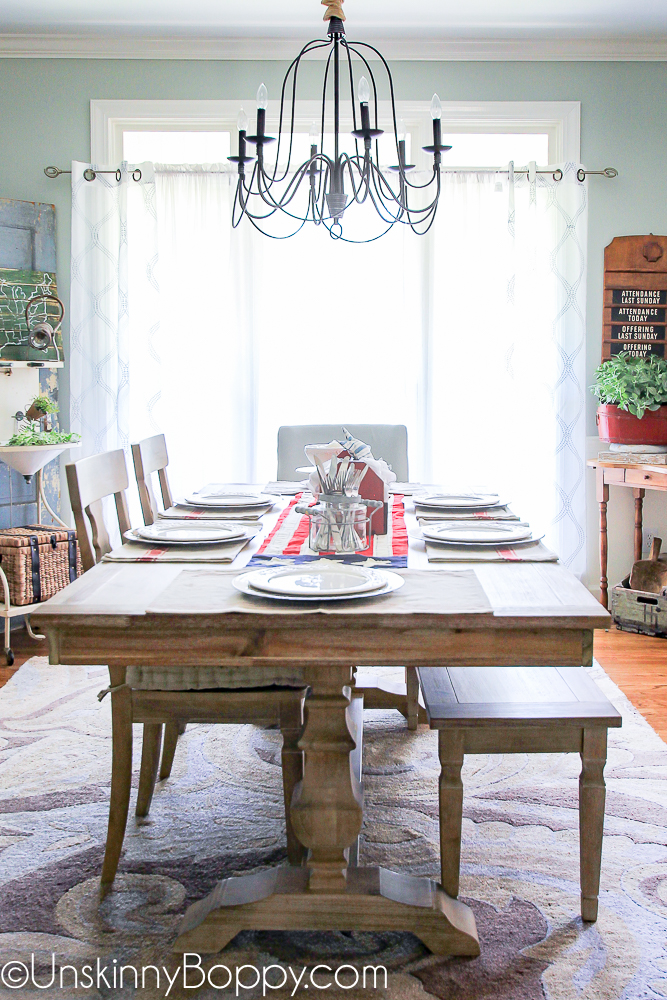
(387, 441)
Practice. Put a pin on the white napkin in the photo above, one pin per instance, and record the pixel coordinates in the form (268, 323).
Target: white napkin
(362, 451)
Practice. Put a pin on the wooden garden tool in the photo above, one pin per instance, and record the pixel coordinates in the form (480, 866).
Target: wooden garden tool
(650, 575)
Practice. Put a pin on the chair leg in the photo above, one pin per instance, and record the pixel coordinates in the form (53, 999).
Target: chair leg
(291, 727)
(150, 758)
(172, 731)
(412, 686)
(591, 818)
(450, 750)
(121, 783)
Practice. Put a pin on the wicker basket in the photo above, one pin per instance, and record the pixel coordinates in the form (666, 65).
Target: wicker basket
(38, 561)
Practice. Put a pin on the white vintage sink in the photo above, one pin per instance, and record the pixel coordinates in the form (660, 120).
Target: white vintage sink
(29, 459)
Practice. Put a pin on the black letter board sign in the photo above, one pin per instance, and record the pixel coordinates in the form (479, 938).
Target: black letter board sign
(635, 296)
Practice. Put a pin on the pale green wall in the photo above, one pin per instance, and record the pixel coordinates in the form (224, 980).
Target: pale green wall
(44, 119)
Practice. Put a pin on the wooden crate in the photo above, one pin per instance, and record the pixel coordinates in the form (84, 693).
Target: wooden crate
(639, 611)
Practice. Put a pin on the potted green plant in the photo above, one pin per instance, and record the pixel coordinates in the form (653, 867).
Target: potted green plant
(40, 407)
(633, 400)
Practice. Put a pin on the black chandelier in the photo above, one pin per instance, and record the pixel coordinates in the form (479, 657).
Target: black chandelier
(321, 189)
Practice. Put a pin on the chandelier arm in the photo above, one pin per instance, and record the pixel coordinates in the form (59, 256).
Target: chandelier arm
(381, 204)
(372, 239)
(423, 232)
(353, 47)
(247, 188)
(354, 107)
(349, 162)
(350, 46)
(324, 97)
(420, 187)
(366, 45)
(413, 214)
(273, 235)
(237, 217)
(387, 194)
(431, 218)
(291, 191)
(316, 43)
(268, 199)
(322, 193)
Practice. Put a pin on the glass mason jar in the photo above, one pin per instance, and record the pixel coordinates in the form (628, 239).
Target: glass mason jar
(339, 524)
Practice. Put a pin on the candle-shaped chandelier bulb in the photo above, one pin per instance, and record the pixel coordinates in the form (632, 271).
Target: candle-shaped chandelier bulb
(242, 121)
(262, 97)
(364, 91)
(436, 115)
(400, 130)
(314, 133)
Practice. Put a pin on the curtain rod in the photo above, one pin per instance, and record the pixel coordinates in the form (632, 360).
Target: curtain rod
(89, 174)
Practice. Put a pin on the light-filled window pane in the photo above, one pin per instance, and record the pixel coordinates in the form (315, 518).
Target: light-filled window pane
(491, 149)
(176, 147)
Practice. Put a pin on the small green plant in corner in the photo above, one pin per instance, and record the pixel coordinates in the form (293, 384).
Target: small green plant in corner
(632, 384)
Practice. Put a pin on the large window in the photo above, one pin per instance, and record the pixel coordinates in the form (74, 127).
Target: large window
(459, 335)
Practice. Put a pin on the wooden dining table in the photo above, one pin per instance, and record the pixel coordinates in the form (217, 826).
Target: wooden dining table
(513, 613)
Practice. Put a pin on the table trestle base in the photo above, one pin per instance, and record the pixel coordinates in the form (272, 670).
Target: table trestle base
(375, 900)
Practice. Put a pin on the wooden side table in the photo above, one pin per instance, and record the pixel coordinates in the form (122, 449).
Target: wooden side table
(636, 476)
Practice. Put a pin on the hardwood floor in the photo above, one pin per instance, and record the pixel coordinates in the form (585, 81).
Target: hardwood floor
(23, 648)
(636, 663)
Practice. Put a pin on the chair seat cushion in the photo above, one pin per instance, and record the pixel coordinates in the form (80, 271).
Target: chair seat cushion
(206, 678)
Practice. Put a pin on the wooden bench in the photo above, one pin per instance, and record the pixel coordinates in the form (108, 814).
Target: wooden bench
(520, 710)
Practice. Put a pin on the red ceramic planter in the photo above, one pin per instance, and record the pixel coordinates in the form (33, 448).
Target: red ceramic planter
(620, 427)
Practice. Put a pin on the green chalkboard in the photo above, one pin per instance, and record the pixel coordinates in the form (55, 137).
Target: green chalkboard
(16, 289)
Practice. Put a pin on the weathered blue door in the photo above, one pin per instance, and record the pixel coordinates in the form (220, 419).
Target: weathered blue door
(27, 241)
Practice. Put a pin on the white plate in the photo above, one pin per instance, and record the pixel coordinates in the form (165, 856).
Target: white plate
(317, 579)
(483, 545)
(132, 536)
(188, 533)
(454, 501)
(229, 499)
(485, 532)
(394, 582)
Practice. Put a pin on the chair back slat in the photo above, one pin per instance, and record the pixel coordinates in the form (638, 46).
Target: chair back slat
(90, 480)
(387, 441)
(149, 456)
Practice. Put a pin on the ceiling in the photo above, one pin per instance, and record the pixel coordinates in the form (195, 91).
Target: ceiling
(427, 19)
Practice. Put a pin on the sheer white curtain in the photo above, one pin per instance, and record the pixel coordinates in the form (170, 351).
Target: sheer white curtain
(473, 336)
(107, 270)
(256, 332)
(507, 362)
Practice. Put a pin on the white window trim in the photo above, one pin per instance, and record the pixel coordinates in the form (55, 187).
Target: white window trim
(110, 118)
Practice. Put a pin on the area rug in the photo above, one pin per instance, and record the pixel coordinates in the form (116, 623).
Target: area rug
(220, 813)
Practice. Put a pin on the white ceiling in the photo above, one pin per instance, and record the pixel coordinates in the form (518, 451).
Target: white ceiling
(428, 19)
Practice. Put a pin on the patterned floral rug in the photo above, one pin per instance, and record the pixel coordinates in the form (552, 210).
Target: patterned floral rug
(220, 814)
